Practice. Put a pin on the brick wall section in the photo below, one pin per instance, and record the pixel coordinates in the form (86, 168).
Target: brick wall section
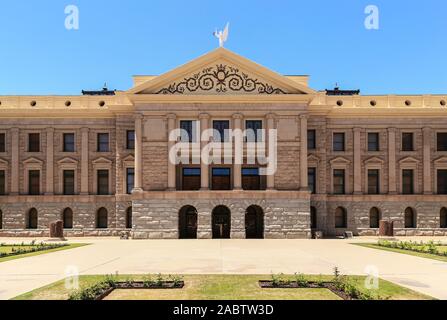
(155, 166)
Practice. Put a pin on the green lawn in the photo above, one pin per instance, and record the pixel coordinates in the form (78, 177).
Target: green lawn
(220, 287)
(8, 249)
(408, 252)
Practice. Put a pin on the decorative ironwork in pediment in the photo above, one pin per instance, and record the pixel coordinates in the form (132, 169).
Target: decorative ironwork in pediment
(221, 79)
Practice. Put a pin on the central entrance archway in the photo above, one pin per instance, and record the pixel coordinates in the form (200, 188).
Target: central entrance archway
(221, 223)
(188, 222)
(254, 223)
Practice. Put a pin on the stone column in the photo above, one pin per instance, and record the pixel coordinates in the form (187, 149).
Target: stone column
(392, 188)
(171, 166)
(84, 161)
(427, 160)
(205, 174)
(237, 169)
(357, 161)
(50, 162)
(270, 119)
(138, 186)
(304, 179)
(15, 161)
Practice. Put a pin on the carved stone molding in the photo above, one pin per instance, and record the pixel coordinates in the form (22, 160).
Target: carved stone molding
(221, 79)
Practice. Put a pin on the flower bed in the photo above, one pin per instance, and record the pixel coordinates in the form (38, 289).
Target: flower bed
(422, 247)
(102, 289)
(23, 248)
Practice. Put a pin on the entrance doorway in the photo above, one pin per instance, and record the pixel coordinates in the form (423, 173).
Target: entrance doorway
(188, 223)
(221, 223)
(254, 223)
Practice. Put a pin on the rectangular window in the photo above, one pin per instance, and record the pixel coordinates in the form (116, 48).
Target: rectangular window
(312, 176)
(2, 142)
(251, 179)
(442, 181)
(2, 183)
(373, 182)
(130, 180)
(442, 141)
(221, 179)
(69, 182)
(191, 179)
(130, 140)
(103, 182)
(34, 182)
(339, 142)
(407, 181)
(407, 141)
(373, 142)
(253, 130)
(69, 142)
(103, 142)
(34, 142)
(339, 181)
(221, 131)
(312, 139)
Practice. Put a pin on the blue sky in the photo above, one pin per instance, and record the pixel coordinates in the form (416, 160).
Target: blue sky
(324, 39)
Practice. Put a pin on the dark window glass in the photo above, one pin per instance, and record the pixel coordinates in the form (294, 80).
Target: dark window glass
(443, 218)
(103, 182)
(373, 142)
(312, 176)
(69, 142)
(187, 131)
(407, 181)
(69, 182)
(102, 219)
(129, 218)
(442, 181)
(254, 130)
(130, 180)
(2, 142)
(34, 182)
(34, 142)
(2, 183)
(374, 218)
(251, 180)
(67, 217)
(410, 218)
(312, 139)
(191, 179)
(103, 142)
(221, 133)
(339, 181)
(373, 182)
(407, 141)
(339, 142)
(341, 218)
(313, 218)
(442, 141)
(32, 218)
(130, 139)
(1, 219)
(221, 179)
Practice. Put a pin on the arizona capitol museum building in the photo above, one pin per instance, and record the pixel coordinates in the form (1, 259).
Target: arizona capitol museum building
(100, 161)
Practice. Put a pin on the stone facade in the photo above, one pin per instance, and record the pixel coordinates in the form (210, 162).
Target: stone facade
(237, 90)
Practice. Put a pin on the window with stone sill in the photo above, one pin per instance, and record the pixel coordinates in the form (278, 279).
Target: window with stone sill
(339, 181)
(130, 180)
(103, 142)
(34, 182)
(103, 182)
(407, 141)
(373, 141)
(373, 181)
(69, 142)
(312, 139)
(442, 181)
(339, 142)
(34, 142)
(442, 141)
(2, 142)
(69, 182)
(2, 182)
(130, 139)
(408, 181)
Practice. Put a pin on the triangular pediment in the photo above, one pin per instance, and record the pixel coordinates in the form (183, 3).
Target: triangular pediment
(33, 160)
(102, 160)
(67, 161)
(441, 160)
(409, 160)
(374, 160)
(221, 72)
(340, 160)
(313, 159)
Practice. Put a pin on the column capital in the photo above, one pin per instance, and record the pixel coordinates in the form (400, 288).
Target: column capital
(204, 116)
(15, 130)
(50, 129)
(238, 116)
(138, 116)
(270, 116)
(171, 116)
(85, 130)
(426, 129)
(392, 129)
(304, 116)
(357, 129)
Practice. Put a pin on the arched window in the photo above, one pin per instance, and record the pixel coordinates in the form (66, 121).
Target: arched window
(101, 219)
(188, 218)
(67, 217)
(1, 219)
(313, 218)
(254, 223)
(410, 218)
(443, 218)
(341, 218)
(129, 218)
(374, 218)
(31, 219)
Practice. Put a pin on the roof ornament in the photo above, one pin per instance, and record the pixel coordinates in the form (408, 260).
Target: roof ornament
(222, 35)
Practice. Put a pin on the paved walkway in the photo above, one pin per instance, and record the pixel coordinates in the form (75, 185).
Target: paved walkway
(107, 256)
